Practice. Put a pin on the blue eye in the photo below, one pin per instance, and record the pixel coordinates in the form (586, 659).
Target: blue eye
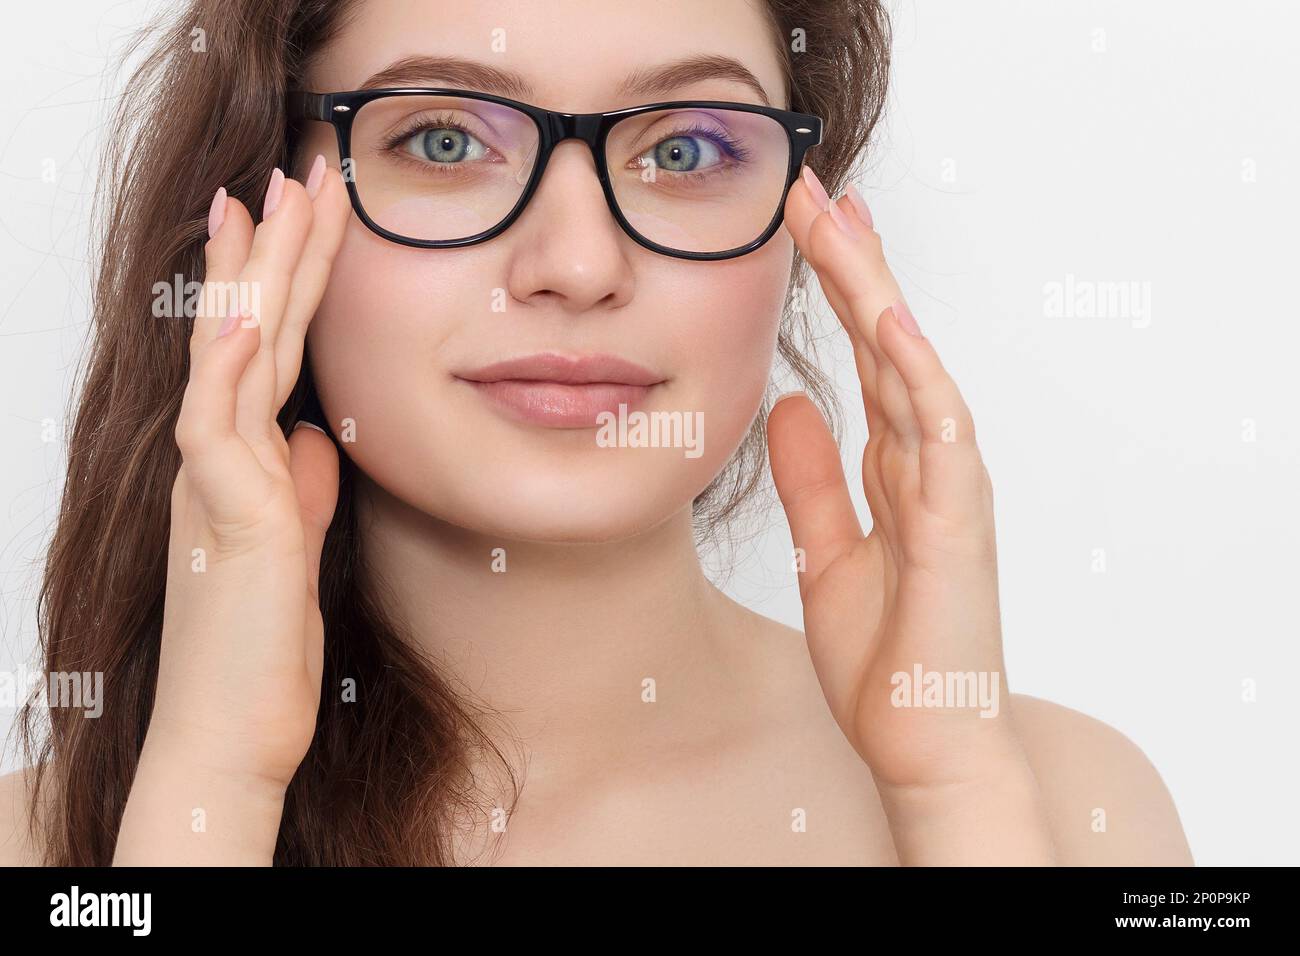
(684, 154)
(444, 144)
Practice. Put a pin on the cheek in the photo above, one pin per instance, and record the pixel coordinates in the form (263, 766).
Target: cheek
(730, 337)
(371, 343)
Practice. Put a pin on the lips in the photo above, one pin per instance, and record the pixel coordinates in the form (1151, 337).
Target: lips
(562, 391)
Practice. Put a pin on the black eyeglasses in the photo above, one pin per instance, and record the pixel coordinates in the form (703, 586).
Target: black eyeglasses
(441, 168)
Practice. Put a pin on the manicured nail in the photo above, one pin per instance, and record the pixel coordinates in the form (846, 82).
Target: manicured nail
(303, 423)
(273, 193)
(860, 205)
(217, 212)
(849, 226)
(819, 194)
(316, 176)
(906, 319)
(228, 324)
(782, 397)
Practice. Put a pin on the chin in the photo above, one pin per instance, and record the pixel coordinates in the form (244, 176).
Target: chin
(599, 496)
(610, 500)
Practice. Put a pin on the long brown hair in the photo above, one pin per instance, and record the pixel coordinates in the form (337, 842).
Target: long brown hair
(187, 123)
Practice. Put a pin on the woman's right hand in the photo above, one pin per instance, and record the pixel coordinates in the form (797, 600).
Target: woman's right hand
(239, 675)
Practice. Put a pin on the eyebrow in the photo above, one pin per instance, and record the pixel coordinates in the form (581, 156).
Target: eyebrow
(646, 81)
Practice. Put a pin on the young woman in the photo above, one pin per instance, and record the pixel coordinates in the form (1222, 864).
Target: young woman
(467, 622)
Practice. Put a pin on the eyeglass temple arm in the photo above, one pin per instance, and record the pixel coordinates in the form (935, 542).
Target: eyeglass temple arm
(303, 105)
(815, 125)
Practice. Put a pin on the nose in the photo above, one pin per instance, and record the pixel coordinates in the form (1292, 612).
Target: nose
(567, 246)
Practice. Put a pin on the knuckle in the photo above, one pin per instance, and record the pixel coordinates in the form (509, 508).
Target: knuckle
(189, 438)
(189, 433)
(873, 245)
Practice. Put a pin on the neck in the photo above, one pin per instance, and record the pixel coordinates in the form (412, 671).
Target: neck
(559, 638)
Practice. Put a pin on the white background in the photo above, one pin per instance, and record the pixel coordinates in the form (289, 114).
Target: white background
(1156, 143)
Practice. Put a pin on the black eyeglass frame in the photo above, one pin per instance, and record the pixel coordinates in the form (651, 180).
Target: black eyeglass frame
(803, 130)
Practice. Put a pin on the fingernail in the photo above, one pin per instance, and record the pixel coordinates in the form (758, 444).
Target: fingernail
(819, 194)
(859, 205)
(228, 324)
(782, 397)
(906, 319)
(217, 212)
(850, 227)
(316, 176)
(302, 422)
(273, 192)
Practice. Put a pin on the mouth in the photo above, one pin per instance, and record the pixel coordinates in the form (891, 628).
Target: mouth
(562, 391)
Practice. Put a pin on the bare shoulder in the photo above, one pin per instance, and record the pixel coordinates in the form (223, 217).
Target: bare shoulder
(17, 845)
(1107, 803)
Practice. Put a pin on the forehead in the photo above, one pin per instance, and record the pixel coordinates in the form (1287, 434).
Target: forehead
(573, 55)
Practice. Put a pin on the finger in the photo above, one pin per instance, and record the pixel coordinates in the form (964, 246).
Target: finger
(950, 461)
(278, 243)
(314, 468)
(809, 479)
(277, 246)
(230, 238)
(806, 201)
(329, 222)
(852, 256)
(225, 472)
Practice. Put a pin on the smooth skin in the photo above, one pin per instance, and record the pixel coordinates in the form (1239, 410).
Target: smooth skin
(922, 586)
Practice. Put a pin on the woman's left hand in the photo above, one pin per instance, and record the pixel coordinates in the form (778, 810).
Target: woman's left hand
(903, 624)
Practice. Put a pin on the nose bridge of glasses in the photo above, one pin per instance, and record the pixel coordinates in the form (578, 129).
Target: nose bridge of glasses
(561, 126)
(583, 126)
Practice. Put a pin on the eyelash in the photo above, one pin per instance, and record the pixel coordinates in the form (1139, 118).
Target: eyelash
(422, 124)
(733, 147)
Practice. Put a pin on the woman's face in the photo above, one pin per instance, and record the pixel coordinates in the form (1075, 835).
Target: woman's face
(402, 334)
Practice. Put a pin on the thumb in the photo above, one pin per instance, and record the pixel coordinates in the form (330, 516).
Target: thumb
(314, 468)
(810, 481)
